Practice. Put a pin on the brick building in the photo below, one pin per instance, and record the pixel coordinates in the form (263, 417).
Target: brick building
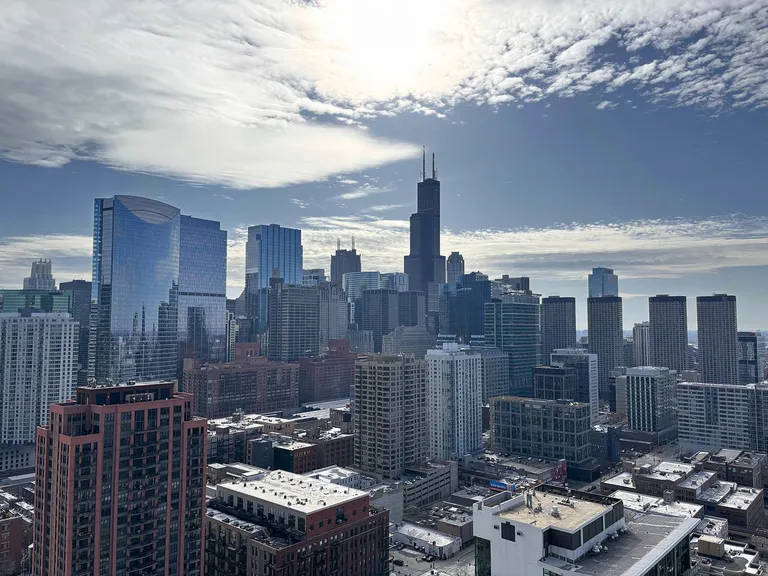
(327, 377)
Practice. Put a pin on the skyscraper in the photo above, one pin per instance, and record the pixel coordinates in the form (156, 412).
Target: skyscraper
(585, 365)
(495, 367)
(668, 333)
(424, 265)
(380, 313)
(412, 308)
(718, 340)
(558, 324)
(606, 336)
(394, 281)
(344, 261)
(120, 484)
(294, 321)
(513, 325)
(38, 366)
(603, 282)
(642, 344)
(313, 276)
(41, 277)
(334, 321)
(454, 401)
(389, 435)
(651, 405)
(455, 268)
(354, 283)
(464, 308)
(134, 324)
(202, 290)
(751, 357)
(80, 294)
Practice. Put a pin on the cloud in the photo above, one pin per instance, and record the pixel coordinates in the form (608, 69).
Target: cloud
(270, 93)
(363, 191)
(71, 255)
(300, 203)
(606, 105)
(384, 207)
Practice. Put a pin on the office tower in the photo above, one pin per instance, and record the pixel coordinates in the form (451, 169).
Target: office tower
(507, 284)
(80, 294)
(668, 333)
(606, 336)
(255, 385)
(360, 341)
(379, 313)
(552, 429)
(313, 277)
(334, 321)
(455, 268)
(42, 300)
(641, 343)
(424, 265)
(41, 277)
(344, 261)
(454, 402)
(585, 365)
(617, 390)
(128, 491)
(651, 405)
(134, 323)
(394, 281)
(463, 308)
(495, 368)
(355, 283)
(554, 383)
(412, 308)
(603, 282)
(751, 357)
(389, 435)
(628, 352)
(38, 367)
(202, 290)
(294, 321)
(233, 329)
(512, 324)
(414, 340)
(284, 523)
(328, 377)
(558, 324)
(718, 340)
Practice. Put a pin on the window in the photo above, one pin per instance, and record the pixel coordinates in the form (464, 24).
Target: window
(508, 531)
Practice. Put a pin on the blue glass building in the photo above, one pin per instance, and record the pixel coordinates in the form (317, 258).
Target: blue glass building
(134, 319)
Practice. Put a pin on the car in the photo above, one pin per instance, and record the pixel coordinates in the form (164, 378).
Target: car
(398, 562)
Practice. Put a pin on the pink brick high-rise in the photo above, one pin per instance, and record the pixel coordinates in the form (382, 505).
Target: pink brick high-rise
(120, 484)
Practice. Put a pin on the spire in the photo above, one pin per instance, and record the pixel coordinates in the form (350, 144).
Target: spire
(423, 163)
(353, 242)
(434, 172)
(338, 244)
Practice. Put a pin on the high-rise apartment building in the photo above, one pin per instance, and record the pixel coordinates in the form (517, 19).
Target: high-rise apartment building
(424, 265)
(389, 435)
(334, 320)
(313, 276)
(641, 344)
(134, 324)
(668, 332)
(651, 404)
(606, 336)
(495, 367)
(344, 261)
(513, 325)
(38, 367)
(120, 484)
(454, 401)
(718, 339)
(380, 313)
(585, 366)
(202, 290)
(554, 383)
(412, 308)
(80, 294)
(455, 268)
(558, 324)
(603, 282)
(751, 357)
(394, 281)
(294, 321)
(41, 276)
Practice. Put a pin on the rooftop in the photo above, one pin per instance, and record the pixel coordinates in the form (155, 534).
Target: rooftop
(712, 526)
(655, 505)
(742, 498)
(293, 445)
(717, 492)
(673, 471)
(556, 511)
(696, 479)
(418, 532)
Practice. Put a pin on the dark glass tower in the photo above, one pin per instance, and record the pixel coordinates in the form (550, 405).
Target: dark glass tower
(134, 332)
(424, 265)
(344, 261)
(80, 291)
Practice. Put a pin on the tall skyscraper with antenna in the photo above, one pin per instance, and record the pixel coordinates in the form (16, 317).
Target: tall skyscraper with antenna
(344, 261)
(424, 265)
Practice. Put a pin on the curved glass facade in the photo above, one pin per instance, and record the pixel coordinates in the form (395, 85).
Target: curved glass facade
(135, 292)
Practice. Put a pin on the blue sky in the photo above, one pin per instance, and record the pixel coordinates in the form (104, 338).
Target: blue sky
(568, 134)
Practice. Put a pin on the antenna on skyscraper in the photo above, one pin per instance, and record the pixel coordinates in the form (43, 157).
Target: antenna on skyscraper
(338, 244)
(353, 242)
(434, 172)
(423, 163)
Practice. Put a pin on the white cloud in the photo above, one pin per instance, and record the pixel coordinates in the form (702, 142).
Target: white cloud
(384, 207)
(71, 255)
(363, 191)
(261, 94)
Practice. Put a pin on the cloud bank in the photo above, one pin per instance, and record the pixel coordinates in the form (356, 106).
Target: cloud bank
(271, 93)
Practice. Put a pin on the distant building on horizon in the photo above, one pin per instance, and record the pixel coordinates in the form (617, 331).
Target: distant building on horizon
(455, 268)
(313, 276)
(603, 282)
(40, 277)
(642, 344)
(344, 261)
(558, 324)
(395, 281)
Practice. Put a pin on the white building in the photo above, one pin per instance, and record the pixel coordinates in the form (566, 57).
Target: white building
(556, 533)
(642, 343)
(427, 540)
(651, 399)
(454, 401)
(585, 365)
(343, 477)
(38, 367)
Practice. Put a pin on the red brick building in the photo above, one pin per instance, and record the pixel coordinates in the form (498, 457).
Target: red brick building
(12, 528)
(297, 457)
(327, 377)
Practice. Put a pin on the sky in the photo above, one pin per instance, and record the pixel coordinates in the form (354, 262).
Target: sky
(568, 133)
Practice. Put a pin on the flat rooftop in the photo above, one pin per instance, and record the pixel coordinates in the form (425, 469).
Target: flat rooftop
(670, 471)
(697, 479)
(294, 445)
(742, 498)
(301, 493)
(418, 532)
(717, 492)
(655, 505)
(569, 517)
(621, 481)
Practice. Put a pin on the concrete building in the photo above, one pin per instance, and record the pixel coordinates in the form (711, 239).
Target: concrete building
(380, 313)
(558, 532)
(38, 367)
(294, 321)
(389, 436)
(342, 262)
(651, 405)
(41, 276)
(606, 336)
(334, 314)
(585, 365)
(668, 333)
(641, 344)
(284, 523)
(558, 324)
(313, 277)
(513, 325)
(495, 367)
(295, 456)
(412, 308)
(360, 341)
(103, 449)
(454, 402)
(329, 377)
(426, 540)
(751, 357)
(13, 529)
(603, 282)
(414, 340)
(554, 383)
(718, 340)
(553, 429)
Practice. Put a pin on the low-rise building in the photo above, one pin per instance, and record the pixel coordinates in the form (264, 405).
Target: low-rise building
(427, 540)
(15, 536)
(655, 505)
(294, 456)
(343, 477)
